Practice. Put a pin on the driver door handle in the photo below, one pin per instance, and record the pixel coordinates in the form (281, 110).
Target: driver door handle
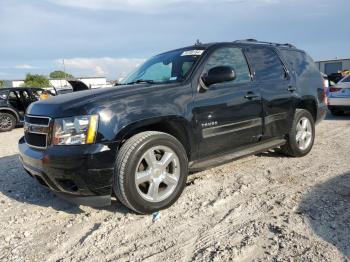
(291, 89)
(251, 95)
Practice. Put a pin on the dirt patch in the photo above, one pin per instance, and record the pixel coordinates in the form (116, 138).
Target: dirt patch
(263, 208)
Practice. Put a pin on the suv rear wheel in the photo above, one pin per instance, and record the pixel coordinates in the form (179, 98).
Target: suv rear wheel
(7, 122)
(302, 135)
(150, 172)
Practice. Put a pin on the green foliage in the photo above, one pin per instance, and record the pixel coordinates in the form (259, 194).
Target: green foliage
(36, 81)
(60, 74)
(1, 83)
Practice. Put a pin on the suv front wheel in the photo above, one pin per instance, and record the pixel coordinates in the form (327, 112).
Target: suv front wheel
(7, 122)
(302, 135)
(150, 172)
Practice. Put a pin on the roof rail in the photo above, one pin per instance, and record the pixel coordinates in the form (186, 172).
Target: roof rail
(250, 40)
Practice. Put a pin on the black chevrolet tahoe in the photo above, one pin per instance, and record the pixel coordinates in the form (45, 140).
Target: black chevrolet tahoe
(180, 112)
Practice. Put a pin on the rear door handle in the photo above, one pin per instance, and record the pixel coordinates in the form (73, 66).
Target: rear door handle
(250, 96)
(291, 89)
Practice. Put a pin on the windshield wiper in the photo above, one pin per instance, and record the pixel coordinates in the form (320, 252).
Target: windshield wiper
(141, 81)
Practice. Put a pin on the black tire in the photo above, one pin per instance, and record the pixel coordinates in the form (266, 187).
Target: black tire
(128, 158)
(7, 122)
(291, 148)
(336, 112)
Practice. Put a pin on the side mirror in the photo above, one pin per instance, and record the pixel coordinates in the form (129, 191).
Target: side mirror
(219, 74)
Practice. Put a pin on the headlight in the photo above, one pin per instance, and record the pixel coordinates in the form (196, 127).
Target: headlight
(77, 130)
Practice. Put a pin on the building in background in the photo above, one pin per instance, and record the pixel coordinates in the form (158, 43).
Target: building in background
(329, 67)
(91, 82)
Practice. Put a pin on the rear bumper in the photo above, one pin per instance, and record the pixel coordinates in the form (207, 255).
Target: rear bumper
(339, 101)
(82, 174)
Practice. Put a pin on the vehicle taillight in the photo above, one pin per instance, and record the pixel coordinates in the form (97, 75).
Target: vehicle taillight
(325, 90)
(333, 89)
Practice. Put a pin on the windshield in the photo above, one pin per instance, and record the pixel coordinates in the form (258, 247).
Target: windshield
(165, 68)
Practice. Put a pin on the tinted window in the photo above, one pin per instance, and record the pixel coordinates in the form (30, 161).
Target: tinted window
(232, 57)
(266, 63)
(299, 62)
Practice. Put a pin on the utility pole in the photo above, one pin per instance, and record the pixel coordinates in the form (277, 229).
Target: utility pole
(64, 69)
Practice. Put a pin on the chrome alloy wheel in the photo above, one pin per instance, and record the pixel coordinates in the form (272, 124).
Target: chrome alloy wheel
(157, 174)
(5, 122)
(304, 133)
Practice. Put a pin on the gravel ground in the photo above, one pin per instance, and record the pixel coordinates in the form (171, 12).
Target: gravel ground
(264, 207)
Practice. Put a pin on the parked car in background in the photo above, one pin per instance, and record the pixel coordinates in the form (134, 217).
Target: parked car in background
(62, 91)
(75, 86)
(186, 109)
(335, 77)
(339, 97)
(14, 102)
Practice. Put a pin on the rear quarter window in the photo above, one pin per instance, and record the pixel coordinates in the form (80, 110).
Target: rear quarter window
(299, 61)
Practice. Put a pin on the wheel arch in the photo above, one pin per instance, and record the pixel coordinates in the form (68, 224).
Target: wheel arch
(10, 111)
(178, 127)
(310, 105)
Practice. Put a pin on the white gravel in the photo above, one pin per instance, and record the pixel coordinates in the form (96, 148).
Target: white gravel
(261, 208)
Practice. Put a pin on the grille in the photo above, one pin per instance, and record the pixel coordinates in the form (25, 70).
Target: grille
(44, 121)
(36, 131)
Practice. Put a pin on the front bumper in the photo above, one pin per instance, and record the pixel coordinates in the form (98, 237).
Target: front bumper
(82, 174)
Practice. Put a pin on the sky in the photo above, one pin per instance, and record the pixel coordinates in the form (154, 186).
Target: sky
(111, 37)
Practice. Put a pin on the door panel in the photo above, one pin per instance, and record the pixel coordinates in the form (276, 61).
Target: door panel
(278, 108)
(224, 117)
(276, 87)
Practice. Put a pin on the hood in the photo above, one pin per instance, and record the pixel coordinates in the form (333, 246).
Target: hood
(87, 102)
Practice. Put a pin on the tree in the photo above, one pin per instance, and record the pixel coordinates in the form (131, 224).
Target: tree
(36, 81)
(60, 75)
(1, 83)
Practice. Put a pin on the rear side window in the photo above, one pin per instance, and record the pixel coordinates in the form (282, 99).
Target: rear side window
(233, 57)
(267, 64)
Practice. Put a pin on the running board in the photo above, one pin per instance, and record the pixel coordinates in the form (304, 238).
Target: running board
(217, 160)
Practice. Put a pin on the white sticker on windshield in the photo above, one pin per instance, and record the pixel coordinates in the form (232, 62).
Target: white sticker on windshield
(192, 52)
(173, 78)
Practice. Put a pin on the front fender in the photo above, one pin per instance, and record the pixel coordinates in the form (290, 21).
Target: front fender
(176, 126)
